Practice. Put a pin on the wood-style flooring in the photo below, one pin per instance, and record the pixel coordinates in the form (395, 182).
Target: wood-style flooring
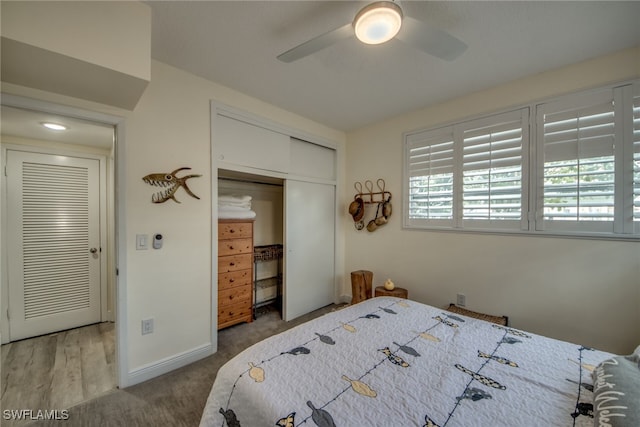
(59, 370)
(176, 398)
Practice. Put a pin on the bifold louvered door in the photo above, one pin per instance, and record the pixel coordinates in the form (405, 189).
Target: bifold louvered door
(53, 247)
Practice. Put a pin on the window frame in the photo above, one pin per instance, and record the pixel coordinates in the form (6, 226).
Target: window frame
(625, 96)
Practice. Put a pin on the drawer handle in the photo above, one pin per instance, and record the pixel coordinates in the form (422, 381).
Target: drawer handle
(230, 247)
(231, 230)
(232, 280)
(232, 264)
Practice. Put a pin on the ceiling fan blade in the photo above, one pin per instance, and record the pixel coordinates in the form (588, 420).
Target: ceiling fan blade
(317, 43)
(431, 40)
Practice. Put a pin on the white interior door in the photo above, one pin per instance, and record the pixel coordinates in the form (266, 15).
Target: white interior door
(53, 227)
(309, 222)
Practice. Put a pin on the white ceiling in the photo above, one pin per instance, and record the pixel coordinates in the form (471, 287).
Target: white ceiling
(349, 85)
(28, 124)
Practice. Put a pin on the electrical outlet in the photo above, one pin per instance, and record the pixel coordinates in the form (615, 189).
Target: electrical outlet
(461, 300)
(147, 326)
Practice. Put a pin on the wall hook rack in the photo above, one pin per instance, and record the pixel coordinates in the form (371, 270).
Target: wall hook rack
(382, 198)
(369, 196)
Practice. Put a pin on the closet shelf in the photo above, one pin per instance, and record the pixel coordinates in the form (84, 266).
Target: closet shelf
(265, 253)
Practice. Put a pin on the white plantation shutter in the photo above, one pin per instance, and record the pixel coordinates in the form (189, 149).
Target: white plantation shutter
(636, 158)
(577, 164)
(470, 174)
(430, 163)
(492, 159)
(576, 173)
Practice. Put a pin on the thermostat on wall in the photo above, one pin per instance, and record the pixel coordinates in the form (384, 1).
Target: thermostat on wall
(157, 241)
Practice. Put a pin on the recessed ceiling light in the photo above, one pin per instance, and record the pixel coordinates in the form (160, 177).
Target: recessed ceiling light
(54, 126)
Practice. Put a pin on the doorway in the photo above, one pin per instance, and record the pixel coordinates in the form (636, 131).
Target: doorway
(54, 254)
(88, 145)
(266, 200)
(298, 217)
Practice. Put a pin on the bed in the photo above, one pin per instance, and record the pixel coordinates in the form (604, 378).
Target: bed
(395, 362)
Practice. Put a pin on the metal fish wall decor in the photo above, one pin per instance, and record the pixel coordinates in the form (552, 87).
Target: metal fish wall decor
(171, 182)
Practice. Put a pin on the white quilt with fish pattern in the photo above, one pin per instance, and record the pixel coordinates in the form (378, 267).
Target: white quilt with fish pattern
(395, 362)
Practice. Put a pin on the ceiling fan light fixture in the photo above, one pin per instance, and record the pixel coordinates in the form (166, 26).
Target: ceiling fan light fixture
(378, 22)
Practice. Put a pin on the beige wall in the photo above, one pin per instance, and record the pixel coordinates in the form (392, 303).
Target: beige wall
(589, 292)
(170, 128)
(85, 31)
(584, 291)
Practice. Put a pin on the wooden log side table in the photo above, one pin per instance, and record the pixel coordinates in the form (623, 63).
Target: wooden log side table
(396, 292)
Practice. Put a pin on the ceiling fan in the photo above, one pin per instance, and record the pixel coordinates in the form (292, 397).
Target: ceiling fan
(379, 22)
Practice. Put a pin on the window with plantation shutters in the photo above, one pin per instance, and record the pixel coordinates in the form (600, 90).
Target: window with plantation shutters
(636, 159)
(429, 159)
(468, 175)
(574, 172)
(492, 169)
(576, 161)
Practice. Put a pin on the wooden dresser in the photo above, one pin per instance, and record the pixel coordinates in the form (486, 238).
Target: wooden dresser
(235, 272)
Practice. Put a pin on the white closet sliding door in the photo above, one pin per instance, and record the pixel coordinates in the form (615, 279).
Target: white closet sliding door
(310, 247)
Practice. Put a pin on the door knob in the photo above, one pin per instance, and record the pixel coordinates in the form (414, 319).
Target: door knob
(93, 250)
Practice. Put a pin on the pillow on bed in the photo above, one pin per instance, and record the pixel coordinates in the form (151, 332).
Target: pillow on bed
(616, 391)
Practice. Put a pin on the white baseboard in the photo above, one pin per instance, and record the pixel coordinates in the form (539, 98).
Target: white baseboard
(168, 364)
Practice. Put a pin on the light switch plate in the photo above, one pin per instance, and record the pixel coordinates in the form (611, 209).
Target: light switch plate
(142, 242)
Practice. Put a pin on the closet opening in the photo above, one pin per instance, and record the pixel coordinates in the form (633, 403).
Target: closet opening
(240, 195)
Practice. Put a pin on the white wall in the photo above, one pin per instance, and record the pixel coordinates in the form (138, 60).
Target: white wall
(589, 290)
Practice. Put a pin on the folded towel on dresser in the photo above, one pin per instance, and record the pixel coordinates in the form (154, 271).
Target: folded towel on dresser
(230, 212)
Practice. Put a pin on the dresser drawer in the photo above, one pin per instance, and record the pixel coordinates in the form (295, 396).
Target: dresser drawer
(234, 279)
(234, 263)
(235, 247)
(235, 313)
(234, 230)
(235, 295)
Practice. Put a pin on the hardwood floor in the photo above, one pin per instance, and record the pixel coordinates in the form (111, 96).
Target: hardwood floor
(57, 371)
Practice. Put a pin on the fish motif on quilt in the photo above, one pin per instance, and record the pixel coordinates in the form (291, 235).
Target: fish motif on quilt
(396, 360)
(325, 339)
(321, 417)
(407, 349)
(498, 359)
(481, 378)
(230, 418)
(360, 387)
(445, 322)
(288, 421)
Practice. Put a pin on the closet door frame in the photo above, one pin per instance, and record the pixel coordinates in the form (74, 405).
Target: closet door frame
(220, 109)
